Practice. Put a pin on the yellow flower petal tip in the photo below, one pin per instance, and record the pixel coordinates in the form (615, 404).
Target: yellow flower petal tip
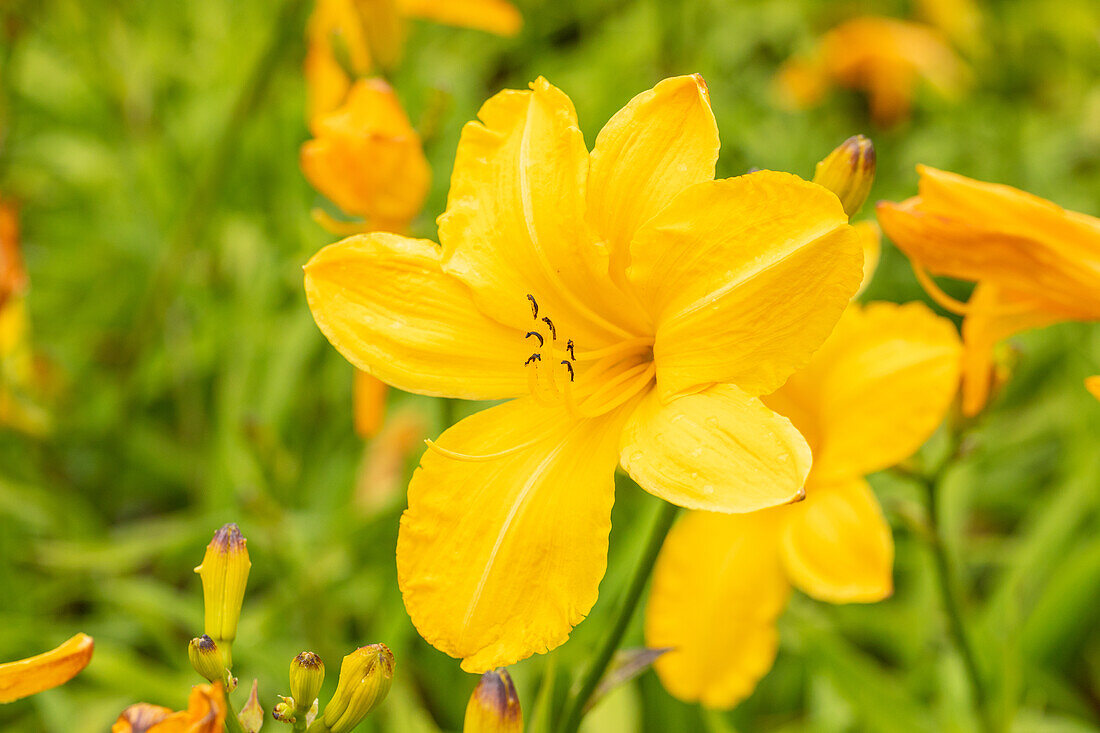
(494, 705)
(45, 671)
(205, 713)
(632, 307)
(848, 172)
(1092, 384)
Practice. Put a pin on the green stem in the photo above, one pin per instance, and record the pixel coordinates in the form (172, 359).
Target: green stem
(232, 722)
(952, 602)
(575, 710)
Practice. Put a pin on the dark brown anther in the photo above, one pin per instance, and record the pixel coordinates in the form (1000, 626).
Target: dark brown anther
(569, 348)
(568, 366)
(553, 331)
(534, 306)
(537, 335)
(533, 358)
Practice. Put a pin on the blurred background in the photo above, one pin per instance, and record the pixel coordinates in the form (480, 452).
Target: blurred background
(180, 383)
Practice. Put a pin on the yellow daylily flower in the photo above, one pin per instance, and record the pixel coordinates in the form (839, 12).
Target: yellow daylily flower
(883, 57)
(348, 38)
(367, 158)
(869, 398)
(631, 307)
(1092, 384)
(205, 713)
(45, 671)
(1034, 262)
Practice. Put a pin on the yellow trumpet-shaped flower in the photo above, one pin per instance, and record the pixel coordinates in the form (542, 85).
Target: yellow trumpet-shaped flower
(205, 713)
(869, 398)
(348, 38)
(45, 671)
(883, 57)
(367, 158)
(1034, 262)
(631, 307)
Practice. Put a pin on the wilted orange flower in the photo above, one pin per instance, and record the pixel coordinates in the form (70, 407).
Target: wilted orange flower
(348, 38)
(367, 158)
(631, 307)
(869, 398)
(205, 713)
(45, 671)
(883, 57)
(1034, 262)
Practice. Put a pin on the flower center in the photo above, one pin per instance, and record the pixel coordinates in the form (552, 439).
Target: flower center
(587, 383)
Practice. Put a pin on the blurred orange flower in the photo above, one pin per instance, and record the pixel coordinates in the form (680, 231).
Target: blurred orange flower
(631, 307)
(873, 393)
(1034, 262)
(45, 671)
(1092, 384)
(883, 57)
(367, 158)
(205, 713)
(348, 38)
(13, 276)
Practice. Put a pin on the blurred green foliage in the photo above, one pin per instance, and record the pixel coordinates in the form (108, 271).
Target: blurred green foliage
(195, 389)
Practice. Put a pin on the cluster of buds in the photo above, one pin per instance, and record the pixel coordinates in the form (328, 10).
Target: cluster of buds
(365, 675)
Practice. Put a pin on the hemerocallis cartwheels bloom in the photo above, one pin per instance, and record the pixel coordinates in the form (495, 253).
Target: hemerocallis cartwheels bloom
(205, 713)
(350, 38)
(1034, 262)
(630, 307)
(45, 671)
(869, 398)
(883, 57)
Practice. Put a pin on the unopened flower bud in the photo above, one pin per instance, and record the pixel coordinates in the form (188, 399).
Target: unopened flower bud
(849, 172)
(207, 658)
(494, 706)
(365, 678)
(307, 673)
(224, 573)
(284, 710)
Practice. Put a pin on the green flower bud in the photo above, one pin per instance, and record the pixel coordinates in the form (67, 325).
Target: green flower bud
(307, 673)
(207, 659)
(365, 678)
(224, 573)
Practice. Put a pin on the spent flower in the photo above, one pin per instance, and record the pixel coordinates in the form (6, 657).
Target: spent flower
(45, 671)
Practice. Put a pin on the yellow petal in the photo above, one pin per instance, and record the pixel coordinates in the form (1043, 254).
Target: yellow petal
(498, 559)
(718, 589)
(515, 225)
(718, 450)
(661, 142)
(837, 546)
(384, 303)
(870, 237)
(993, 314)
(744, 278)
(494, 16)
(367, 158)
(369, 397)
(333, 23)
(1092, 384)
(384, 28)
(45, 671)
(876, 390)
(980, 231)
